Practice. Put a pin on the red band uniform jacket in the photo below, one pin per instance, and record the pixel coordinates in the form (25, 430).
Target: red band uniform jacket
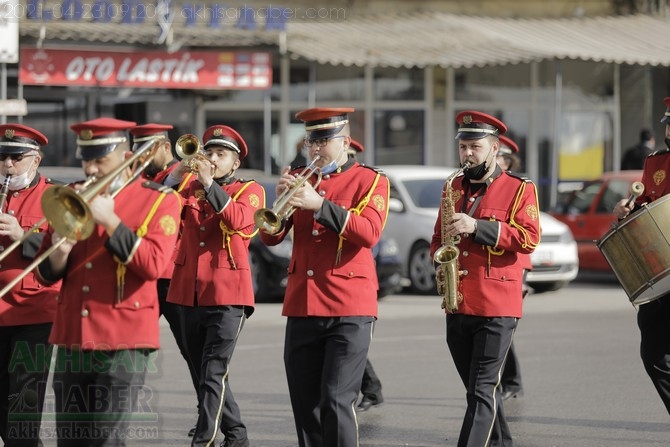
(655, 177)
(213, 258)
(108, 299)
(320, 284)
(28, 302)
(492, 262)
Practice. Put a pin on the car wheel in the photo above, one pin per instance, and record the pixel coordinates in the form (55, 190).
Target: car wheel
(541, 287)
(421, 271)
(258, 277)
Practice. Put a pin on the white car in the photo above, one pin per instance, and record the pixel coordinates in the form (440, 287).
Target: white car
(415, 199)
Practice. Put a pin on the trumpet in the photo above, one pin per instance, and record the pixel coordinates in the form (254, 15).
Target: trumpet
(67, 210)
(189, 149)
(270, 220)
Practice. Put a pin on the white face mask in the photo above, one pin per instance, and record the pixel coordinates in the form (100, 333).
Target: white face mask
(17, 182)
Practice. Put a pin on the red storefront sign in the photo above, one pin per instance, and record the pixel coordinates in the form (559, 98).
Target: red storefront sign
(184, 69)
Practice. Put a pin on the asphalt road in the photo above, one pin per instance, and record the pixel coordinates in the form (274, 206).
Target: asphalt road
(584, 383)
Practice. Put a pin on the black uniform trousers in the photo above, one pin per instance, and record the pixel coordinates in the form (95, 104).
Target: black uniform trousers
(371, 386)
(653, 319)
(98, 393)
(511, 377)
(324, 359)
(172, 314)
(210, 334)
(25, 356)
(478, 346)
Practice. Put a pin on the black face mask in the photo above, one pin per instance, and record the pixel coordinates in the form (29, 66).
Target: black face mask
(476, 172)
(152, 170)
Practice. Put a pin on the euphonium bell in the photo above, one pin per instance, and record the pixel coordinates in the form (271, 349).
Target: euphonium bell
(270, 220)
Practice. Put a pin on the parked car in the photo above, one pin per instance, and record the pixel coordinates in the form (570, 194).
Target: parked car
(588, 213)
(415, 199)
(269, 265)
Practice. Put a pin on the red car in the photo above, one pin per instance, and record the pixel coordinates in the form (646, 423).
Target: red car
(588, 213)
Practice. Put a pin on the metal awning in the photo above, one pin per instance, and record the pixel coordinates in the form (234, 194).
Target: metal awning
(404, 40)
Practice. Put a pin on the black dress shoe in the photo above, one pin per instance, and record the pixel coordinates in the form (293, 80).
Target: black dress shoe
(366, 403)
(508, 394)
(191, 432)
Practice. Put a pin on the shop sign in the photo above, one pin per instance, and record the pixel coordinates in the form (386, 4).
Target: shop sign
(239, 70)
(13, 107)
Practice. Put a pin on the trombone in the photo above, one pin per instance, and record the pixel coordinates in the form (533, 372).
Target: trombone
(67, 210)
(270, 220)
(189, 149)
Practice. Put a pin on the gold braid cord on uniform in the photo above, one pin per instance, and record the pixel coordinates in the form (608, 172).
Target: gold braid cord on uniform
(227, 232)
(526, 238)
(141, 232)
(357, 210)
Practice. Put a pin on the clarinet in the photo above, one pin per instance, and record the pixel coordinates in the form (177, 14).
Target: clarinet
(3, 191)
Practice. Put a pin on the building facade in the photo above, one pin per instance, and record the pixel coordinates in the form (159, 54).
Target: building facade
(407, 73)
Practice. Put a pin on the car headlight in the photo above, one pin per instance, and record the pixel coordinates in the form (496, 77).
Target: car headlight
(388, 248)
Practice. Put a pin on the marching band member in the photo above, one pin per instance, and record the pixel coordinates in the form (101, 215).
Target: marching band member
(331, 296)
(106, 325)
(27, 310)
(496, 216)
(212, 280)
(653, 318)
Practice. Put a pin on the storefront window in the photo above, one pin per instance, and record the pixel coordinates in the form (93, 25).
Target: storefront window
(399, 136)
(339, 83)
(399, 83)
(507, 83)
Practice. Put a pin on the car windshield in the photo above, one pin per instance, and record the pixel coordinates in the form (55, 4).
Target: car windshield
(581, 201)
(615, 191)
(425, 193)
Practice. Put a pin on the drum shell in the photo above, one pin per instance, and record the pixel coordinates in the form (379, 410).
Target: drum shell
(638, 250)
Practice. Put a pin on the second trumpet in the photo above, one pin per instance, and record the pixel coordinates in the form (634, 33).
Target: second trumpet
(270, 220)
(189, 149)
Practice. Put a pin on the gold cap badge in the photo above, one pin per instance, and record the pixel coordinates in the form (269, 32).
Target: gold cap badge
(86, 134)
(467, 119)
(9, 133)
(217, 132)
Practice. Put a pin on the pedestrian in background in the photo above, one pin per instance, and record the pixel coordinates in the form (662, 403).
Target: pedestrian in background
(635, 156)
(496, 217)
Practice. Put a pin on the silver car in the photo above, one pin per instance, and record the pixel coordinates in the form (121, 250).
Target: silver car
(415, 199)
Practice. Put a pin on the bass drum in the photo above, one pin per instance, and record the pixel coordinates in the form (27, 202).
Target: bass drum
(638, 250)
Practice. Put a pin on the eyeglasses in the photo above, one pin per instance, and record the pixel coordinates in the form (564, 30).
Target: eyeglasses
(320, 142)
(15, 157)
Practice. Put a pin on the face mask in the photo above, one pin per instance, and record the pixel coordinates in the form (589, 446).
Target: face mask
(330, 167)
(17, 182)
(476, 172)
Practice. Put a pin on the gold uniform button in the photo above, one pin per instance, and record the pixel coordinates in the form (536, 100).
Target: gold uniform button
(465, 273)
(136, 304)
(465, 253)
(315, 232)
(202, 228)
(10, 212)
(351, 274)
(202, 244)
(84, 313)
(322, 193)
(86, 289)
(310, 272)
(504, 278)
(16, 194)
(89, 265)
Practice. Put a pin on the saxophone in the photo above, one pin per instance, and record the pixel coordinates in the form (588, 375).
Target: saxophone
(447, 255)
